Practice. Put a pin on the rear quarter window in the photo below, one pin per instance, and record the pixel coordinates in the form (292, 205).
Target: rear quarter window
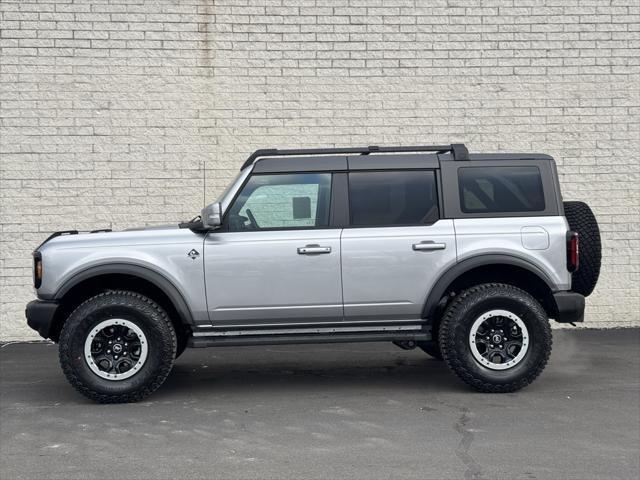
(500, 189)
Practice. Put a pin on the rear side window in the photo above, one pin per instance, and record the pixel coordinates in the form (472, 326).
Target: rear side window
(500, 189)
(393, 198)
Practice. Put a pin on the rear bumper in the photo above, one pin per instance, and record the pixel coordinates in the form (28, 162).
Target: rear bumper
(40, 314)
(570, 307)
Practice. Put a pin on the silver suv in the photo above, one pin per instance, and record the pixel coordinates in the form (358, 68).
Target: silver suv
(464, 256)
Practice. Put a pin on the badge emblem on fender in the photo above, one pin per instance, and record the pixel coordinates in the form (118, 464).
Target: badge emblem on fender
(193, 254)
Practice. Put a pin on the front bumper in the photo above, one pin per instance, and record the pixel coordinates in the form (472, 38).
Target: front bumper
(570, 307)
(40, 315)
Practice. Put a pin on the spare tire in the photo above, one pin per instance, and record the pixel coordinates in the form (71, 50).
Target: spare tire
(582, 220)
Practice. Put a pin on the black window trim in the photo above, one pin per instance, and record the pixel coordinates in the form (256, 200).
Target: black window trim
(451, 196)
(435, 171)
(339, 207)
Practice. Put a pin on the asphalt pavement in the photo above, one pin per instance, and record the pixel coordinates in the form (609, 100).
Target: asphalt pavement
(366, 411)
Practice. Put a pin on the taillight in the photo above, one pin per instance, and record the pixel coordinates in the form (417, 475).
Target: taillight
(573, 251)
(37, 269)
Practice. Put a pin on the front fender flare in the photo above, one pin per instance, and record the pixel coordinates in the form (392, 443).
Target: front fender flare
(157, 279)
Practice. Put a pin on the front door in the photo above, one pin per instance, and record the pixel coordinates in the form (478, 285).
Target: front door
(276, 260)
(396, 245)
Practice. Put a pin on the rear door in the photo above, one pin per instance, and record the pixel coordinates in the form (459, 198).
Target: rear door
(396, 245)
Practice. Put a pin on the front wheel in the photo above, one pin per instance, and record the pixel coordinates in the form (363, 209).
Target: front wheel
(495, 337)
(117, 346)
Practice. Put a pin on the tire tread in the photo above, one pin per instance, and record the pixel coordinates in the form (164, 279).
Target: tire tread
(114, 297)
(582, 220)
(451, 355)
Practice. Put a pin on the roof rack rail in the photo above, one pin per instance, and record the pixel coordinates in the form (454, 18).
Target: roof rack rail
(458, 150)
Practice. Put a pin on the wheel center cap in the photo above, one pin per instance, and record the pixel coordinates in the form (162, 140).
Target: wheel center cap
(117, 348)
(497, 338)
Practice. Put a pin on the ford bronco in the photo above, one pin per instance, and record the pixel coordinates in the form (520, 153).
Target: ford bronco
(466, 257)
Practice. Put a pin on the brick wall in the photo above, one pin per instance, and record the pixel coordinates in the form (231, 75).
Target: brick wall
(125, 112)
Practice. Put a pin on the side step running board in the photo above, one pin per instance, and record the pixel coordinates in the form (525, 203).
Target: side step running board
(240, 340)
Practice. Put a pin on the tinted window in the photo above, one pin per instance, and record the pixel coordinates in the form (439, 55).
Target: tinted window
(500, 189)
(282, 201)
(393, 198)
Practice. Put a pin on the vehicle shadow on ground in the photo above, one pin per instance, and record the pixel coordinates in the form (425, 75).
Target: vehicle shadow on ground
(30, 372)
(307, 375)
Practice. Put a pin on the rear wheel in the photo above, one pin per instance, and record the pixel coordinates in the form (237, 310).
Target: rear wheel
(495, 337)
(117, 346)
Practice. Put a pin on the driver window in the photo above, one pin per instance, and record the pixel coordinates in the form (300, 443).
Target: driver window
(299, 200)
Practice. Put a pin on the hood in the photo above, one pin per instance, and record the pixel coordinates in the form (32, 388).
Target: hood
(106, 238)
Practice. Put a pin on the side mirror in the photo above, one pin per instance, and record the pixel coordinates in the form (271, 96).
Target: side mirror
(212, 216)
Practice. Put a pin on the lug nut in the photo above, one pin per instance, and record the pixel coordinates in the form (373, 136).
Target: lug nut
(108, 351)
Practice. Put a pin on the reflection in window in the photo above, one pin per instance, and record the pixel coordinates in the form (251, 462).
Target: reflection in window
(282, 201)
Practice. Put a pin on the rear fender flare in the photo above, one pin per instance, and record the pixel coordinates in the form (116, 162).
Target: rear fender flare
(447, 278)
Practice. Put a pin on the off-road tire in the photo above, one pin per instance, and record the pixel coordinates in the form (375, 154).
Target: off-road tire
(456, 325)
(582, 220)
(141, 311)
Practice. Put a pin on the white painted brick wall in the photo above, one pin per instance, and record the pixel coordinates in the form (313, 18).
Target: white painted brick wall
(112, 111)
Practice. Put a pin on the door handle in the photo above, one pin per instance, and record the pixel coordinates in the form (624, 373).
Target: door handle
(428, 246)
(313, 249)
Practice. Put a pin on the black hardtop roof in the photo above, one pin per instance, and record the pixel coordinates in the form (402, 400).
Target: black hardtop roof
(458, 150)
(454, 151)
(502, 156)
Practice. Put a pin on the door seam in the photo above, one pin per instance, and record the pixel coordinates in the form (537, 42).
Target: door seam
(204, 278)
(341, 280)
